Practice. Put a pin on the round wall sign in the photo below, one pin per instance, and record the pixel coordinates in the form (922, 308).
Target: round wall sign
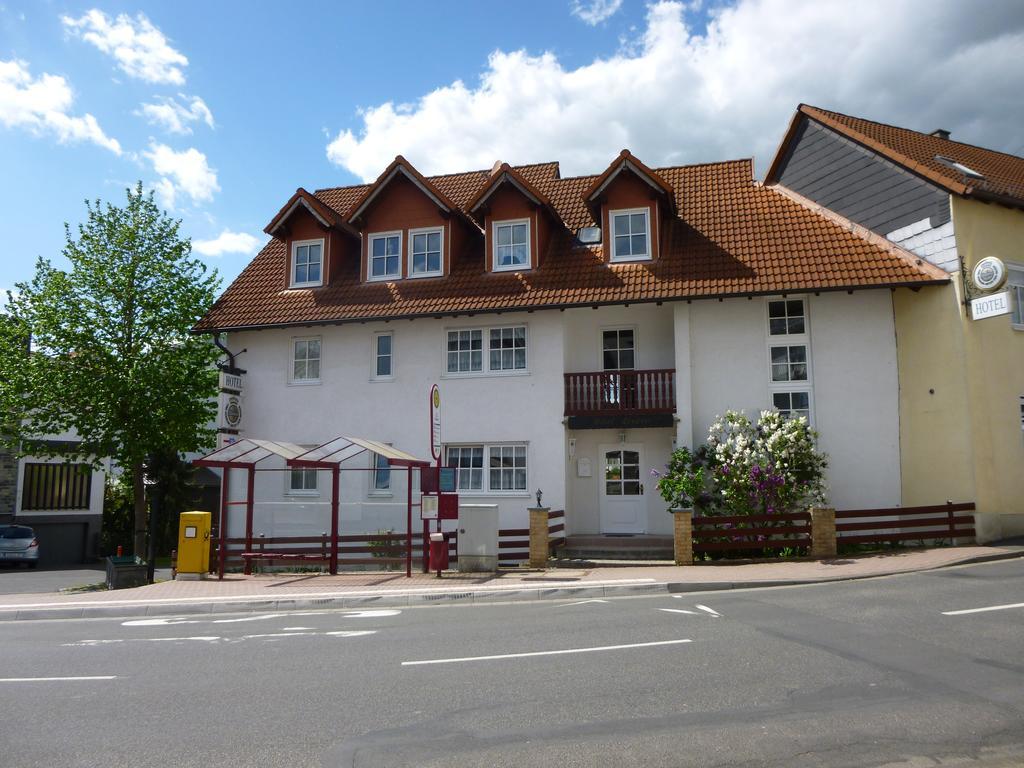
(233, 412)
(989, 274)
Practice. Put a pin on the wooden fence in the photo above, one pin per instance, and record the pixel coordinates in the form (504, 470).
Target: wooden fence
(751, 533)
(876, 526)
(381, 549)
(514, 543)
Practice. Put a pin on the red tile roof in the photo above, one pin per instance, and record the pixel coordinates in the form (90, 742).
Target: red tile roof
(626, 161)
(327, 215)
(732, 236)
(500, 175)
(1003, 174)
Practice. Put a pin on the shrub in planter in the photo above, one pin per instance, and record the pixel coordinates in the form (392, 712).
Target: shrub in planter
(748, 469)
(773, 466)
(685, 483)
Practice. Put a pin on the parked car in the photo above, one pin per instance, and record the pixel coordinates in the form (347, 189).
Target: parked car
(18, 544)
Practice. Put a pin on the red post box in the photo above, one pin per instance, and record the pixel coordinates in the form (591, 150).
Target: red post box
(438, 552)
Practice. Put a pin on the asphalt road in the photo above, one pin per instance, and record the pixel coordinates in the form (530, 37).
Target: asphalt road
(16, 579)
(867, 673)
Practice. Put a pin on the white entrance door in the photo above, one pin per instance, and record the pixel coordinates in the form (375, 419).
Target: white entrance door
(623, 509)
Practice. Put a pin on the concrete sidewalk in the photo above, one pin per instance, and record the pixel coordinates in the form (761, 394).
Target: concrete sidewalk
(277, 592)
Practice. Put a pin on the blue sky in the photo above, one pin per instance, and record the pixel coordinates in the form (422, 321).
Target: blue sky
(224, 108)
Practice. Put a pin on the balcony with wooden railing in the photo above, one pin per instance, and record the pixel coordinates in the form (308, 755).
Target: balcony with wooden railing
(617, 398)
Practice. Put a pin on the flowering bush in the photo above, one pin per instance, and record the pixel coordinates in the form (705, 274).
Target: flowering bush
(685, 481)
(747, 469)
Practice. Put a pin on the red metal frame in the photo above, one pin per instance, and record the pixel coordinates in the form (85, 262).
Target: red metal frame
(334, 466)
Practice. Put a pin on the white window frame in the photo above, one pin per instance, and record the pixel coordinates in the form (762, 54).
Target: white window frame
(373, 489)
(369, 256)
(296, 244)
(1016, 289)
(796, 391)
(375, 356)
(495, 265)
(291, 491)
(526, 349)
(431, 272)
(485, 489)
(291, 361)
(483, 352)
(485, 348)
(647, 230)
(483, 467)
(618, 329)
(790, 340)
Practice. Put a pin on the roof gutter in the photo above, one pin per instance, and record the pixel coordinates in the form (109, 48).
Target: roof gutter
(912, 285)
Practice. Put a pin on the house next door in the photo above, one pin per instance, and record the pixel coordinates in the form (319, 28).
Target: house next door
(623, 509)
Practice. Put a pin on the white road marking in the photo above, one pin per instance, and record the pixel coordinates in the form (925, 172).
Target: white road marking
(169, 622)
(712, 611)
(90, 643)
(166, 622)
(984, 610)
(54, 679)
(581, 602)
(218, 638)
(543, 653)
(679, 610)
(295, 629)
(369, 614)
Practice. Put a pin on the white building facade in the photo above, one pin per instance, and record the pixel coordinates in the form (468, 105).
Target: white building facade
(720, 354)
(578, 329)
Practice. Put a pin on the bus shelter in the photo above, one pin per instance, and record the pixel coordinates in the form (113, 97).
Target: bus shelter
(247, 454)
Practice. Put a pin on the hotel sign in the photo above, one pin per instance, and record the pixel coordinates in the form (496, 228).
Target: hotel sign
(992, 305)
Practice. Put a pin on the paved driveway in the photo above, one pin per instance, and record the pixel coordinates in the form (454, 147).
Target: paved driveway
(17, 579)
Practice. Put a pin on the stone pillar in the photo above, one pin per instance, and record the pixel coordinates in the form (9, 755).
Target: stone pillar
(539, 549)
(823, 532)
(682, 535)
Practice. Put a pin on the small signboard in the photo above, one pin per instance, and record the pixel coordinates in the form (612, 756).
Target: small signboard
(991, 306)
(439, 506)
(428, 507)
(230, 382)
(435, 422)
(446, 479)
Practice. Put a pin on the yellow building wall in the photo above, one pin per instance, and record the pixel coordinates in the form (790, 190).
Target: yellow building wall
(935, 429)
(994, 364)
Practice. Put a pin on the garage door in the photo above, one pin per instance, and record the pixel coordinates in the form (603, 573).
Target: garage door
(60, 543)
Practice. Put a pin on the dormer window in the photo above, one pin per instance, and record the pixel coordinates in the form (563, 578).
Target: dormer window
(307, 263)
(385, 254)
(631, 234)
(425, 252)
(511, 244)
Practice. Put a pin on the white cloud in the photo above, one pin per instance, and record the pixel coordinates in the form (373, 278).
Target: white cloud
(227, 242)
(594, 11)
(182, 172)
(42, 105)
(678, 97)
(176, 116)
(140, 49)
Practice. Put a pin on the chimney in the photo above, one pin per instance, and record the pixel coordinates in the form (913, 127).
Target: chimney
(496, 167)
(940, 133)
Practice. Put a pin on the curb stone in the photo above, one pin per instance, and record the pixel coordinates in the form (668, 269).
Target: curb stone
(452, 597)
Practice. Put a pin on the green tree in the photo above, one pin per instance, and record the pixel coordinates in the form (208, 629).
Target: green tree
(112, 354)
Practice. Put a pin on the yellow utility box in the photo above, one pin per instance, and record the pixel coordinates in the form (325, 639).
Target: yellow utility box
(194, 544)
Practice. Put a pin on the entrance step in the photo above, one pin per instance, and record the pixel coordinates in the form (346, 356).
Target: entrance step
(610, 547)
